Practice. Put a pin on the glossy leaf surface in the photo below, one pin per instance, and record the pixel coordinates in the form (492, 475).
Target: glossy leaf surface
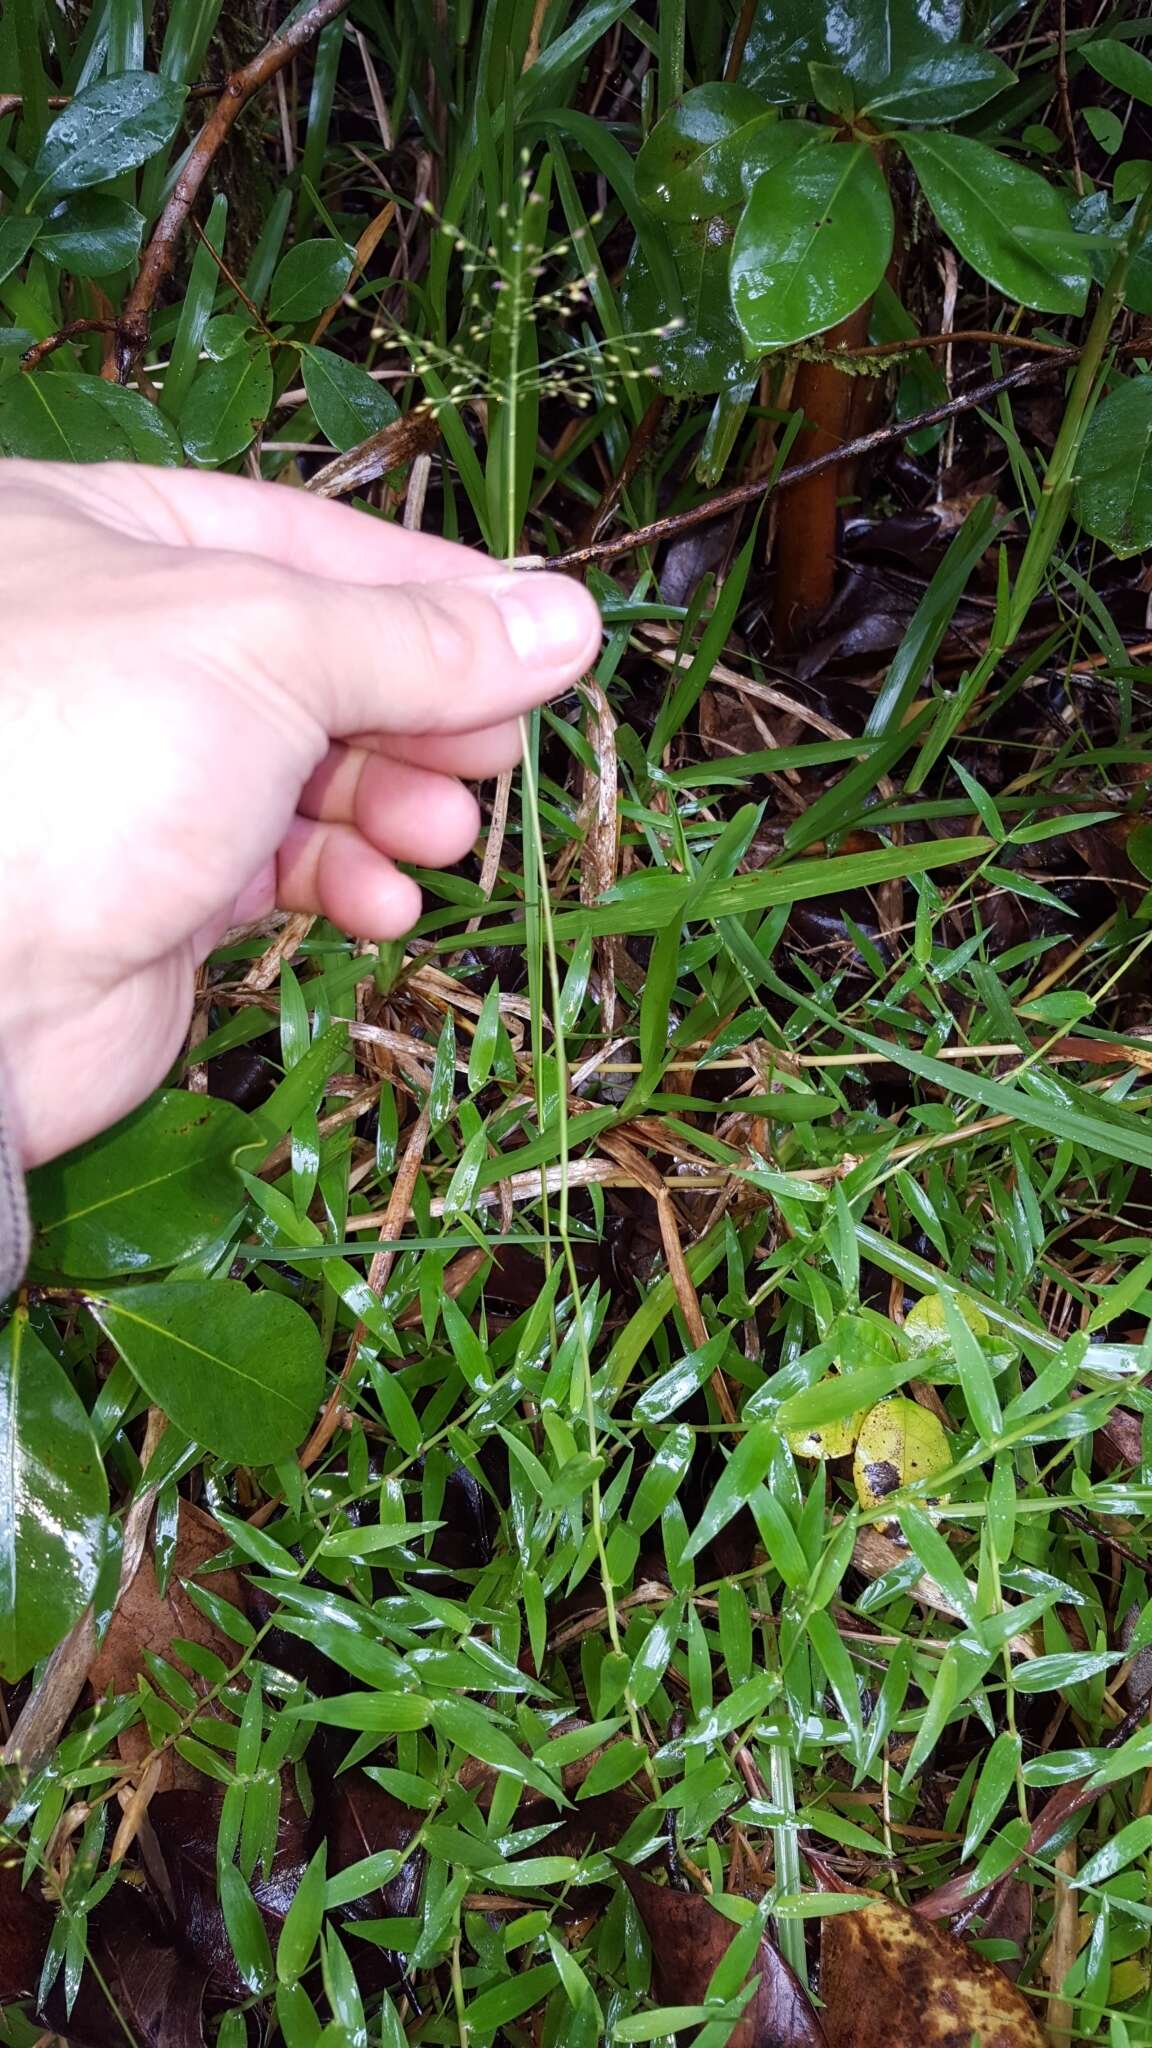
(998, 212)
(1115, 470)
(812, 245)
(155, 1189)
(53, 1501)
(242, 1373)
(108, 128)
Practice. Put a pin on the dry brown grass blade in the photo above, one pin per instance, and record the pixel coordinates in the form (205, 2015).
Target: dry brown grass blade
(416, 433)
(599, 815)
(391, 1225)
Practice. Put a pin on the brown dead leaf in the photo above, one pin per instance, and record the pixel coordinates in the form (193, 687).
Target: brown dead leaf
(145, 1619)
(154, 1994)
(185, 1825)
(888, 1979)
(689, 1938)
(27, 1922)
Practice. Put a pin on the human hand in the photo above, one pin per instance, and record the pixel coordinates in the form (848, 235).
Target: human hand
(215, 697)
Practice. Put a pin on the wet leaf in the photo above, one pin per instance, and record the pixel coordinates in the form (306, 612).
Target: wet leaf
(53, 1501)
(995, 210)
(50, 416)
(308, 278)
(706, 347)
(812, 244)
(241, 1373)
(92, 235)
(709, 149)
(155, 1189)
(689, 1939)
(926, 1325)
(1127, 69)
(869, 43)
(899, 1442)
(349, 404)
(107, 128)
(943, 87)
(16, 238)
(888, 1977)
(226, 406)
(1115, 469)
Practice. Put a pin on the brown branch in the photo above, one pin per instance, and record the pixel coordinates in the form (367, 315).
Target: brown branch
(749, 494)
(12, 102)
(34, 356)
(132, 334)
(876, 349)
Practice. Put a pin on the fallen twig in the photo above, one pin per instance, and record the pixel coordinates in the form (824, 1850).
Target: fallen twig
(750, 493)
(132, 329)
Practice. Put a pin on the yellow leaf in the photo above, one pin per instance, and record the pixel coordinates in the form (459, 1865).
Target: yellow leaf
(898, 1442)
(925, 1325)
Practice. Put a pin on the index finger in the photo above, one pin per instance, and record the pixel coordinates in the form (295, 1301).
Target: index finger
(230, 514)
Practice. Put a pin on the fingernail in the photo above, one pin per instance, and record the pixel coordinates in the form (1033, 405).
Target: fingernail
(548, 619)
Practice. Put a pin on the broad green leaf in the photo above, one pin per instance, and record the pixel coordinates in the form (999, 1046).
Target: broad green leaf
(349, 404)
(709, 149)
(868, 42)
(51, 416)
(1122, 66)
(92, 235)
(702, 348)
(67, 415)
(812, 244)
(109, 127)
(239, 1372)
(148, 433)
(153, 1190)
(227, 405)
(1114, 498)
(941, 88)
(53, 1502)
(995, 210)
(308, 279)
(17, 234)
(226, 334)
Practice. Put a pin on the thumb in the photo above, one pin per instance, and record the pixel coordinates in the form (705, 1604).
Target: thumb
(442, 657)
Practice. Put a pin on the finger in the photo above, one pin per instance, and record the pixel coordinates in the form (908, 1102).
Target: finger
(414, 658)
(400, 809)
(197, 509)
(475, 755)
(331, 870)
